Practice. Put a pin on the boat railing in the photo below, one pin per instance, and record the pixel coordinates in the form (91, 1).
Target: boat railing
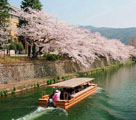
(45, 96)
(83, 91)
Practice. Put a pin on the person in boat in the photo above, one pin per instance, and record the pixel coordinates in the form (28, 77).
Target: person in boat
(70, 95)
(85, 85)
(50, 102)
(78, 89)
(56, 96)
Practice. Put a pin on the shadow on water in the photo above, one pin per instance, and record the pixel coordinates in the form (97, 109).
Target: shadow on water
(114, 100)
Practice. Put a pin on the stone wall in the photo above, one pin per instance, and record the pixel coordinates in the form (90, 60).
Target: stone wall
(24, 71)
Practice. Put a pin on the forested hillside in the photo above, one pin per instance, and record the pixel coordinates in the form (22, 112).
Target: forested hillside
(123, 34)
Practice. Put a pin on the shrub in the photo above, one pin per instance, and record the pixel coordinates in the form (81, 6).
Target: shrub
(103, 69)
(19, 47)
(58, 78)
(63, 77)
(1, 93)
(5, 92)
(50, 57)
(49, 82)
(87, 74)
(12, 46)
(14, 88)
(54, 80)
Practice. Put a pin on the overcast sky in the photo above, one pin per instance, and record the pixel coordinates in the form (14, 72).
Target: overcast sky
(100, 13)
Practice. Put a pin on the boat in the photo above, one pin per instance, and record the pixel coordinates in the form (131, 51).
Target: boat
(87, 88)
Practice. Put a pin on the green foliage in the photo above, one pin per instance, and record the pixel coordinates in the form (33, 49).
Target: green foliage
(5, 92)
(54, 80)
(103, 69)
(19, 47)
(12, 46)
(1, 93)
(87, 73)
(58, 77)
(14, 88)
(64, 77)
(49, 82)
(15, 46)
(34, 4)
(4, 13)
(50, 57)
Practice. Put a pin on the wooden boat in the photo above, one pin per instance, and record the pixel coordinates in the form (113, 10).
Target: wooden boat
(65, 103)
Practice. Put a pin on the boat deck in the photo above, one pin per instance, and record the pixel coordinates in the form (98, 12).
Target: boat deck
(85, 85)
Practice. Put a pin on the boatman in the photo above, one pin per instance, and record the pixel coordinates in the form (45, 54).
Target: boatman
(56, 96)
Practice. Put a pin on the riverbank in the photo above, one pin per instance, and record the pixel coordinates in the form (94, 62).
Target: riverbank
(20, 86)
(20, 71)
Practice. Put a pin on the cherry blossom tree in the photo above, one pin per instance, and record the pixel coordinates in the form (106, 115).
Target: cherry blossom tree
(4, 36)
(4, 22)
(74, 42)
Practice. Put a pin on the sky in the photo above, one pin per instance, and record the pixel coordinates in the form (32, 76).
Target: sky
(98, 13)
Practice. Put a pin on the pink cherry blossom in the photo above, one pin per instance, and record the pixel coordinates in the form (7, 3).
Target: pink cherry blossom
(81, 45)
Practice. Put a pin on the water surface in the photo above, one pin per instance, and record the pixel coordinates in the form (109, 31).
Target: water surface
(114, 100)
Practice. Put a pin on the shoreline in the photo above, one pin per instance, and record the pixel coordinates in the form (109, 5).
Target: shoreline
(22, 86)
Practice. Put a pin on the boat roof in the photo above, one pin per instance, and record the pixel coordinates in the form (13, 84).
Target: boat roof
(71, 83)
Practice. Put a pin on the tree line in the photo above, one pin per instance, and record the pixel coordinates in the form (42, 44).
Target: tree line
(45, 33)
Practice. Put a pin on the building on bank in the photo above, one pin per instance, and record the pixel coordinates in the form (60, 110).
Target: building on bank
(13, 22)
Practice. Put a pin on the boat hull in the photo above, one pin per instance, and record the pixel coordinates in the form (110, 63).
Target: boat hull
(66, 104)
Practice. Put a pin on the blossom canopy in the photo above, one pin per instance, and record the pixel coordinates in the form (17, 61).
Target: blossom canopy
(81, 45)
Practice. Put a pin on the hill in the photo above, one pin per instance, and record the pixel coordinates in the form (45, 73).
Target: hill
(123, 34)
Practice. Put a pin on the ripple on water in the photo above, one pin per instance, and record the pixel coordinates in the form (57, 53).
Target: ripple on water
(40, 111)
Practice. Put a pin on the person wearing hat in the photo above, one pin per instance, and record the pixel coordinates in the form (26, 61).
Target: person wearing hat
(56, 96)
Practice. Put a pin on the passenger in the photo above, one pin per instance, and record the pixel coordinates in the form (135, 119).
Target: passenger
(70, 93)
(50, 102)
(56, 96)
(86, 85)
(79, 88)
(61, 95)
(69, 96)
(76, 89)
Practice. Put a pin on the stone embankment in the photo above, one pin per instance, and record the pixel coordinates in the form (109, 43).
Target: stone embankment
(24, 71)
(19, 77)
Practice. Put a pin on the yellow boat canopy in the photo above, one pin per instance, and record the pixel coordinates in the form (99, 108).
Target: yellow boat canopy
(71, 83)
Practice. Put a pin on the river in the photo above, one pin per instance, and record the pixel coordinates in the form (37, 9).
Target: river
(115, 100)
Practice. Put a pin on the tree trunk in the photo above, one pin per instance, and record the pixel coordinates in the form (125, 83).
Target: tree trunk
(29, 50)
(34, 51)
